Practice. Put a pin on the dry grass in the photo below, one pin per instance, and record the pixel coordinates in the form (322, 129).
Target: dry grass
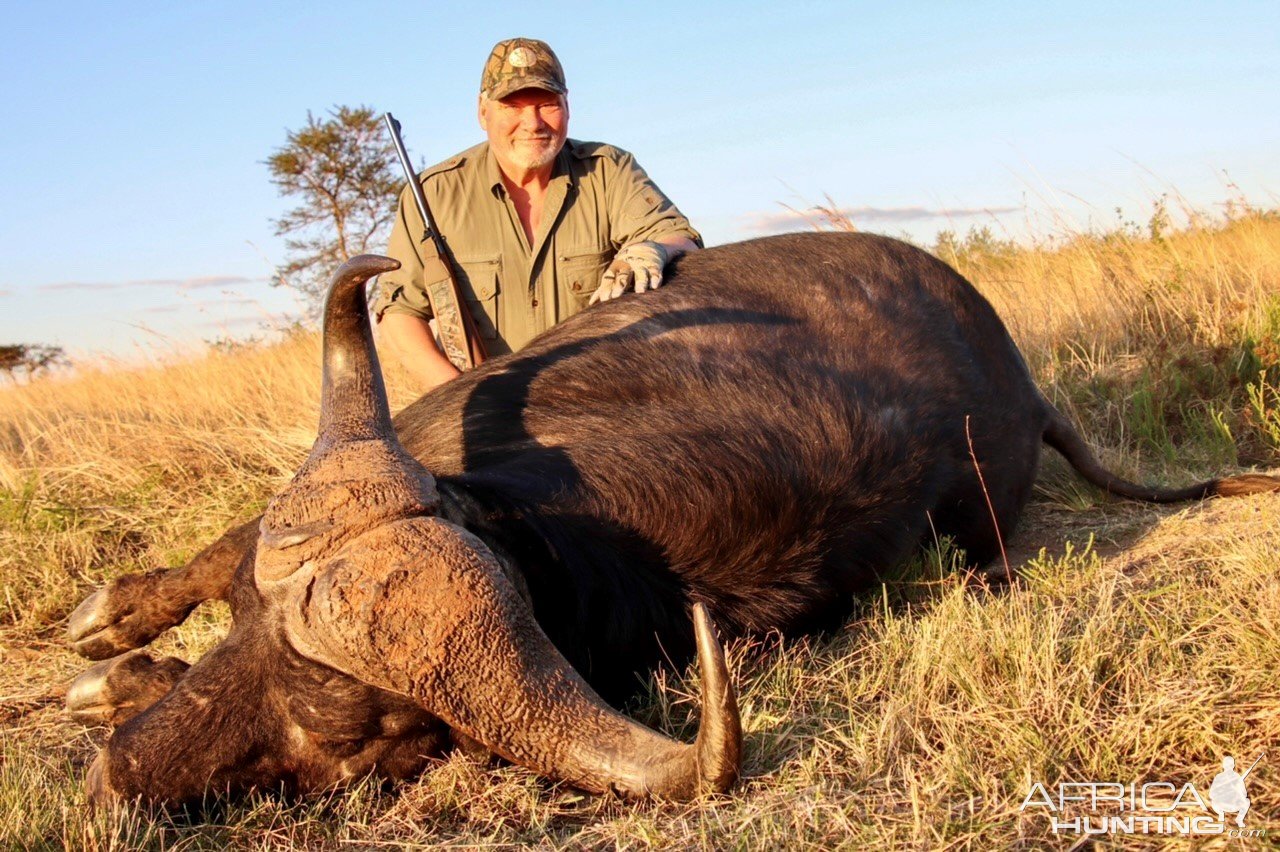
(1141, 644)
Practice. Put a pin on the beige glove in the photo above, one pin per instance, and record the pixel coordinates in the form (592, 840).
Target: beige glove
(639, 265)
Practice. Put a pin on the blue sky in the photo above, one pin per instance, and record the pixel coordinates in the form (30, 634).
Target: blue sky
(137, 213)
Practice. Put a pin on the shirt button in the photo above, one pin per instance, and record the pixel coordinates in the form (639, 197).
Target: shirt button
(535, 303)
(577, 286)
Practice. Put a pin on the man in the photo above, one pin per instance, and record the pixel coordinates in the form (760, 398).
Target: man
(537, 225)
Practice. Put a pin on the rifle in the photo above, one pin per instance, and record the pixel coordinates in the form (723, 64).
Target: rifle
(462, 344)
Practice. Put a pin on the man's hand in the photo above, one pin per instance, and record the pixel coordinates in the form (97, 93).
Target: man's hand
(638, 265)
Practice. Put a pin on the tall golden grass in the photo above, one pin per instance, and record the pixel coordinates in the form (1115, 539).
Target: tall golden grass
(1140, 644)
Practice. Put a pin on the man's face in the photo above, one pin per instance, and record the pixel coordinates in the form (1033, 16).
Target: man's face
(526, 128)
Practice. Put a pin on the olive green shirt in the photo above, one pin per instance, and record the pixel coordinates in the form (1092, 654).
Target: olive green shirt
(599, 200)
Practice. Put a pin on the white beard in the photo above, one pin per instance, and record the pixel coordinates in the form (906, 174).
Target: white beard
(534, 155)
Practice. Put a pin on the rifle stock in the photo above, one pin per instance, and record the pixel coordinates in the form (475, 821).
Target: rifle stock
(458, 335)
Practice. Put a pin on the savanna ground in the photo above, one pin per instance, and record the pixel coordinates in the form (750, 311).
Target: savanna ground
(1137, 644)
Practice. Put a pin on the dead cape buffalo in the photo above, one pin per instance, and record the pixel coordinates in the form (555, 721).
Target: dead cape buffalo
(754, 442)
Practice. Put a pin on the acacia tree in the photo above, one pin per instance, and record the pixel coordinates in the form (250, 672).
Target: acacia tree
(341, 169)
(30, 358)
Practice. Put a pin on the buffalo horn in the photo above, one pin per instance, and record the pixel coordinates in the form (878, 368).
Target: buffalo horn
(435, 618)
(354, 399)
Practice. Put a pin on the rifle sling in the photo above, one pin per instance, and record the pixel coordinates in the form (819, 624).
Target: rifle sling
(450, 322)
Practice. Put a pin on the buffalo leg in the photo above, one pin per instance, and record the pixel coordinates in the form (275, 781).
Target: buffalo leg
(116, 690)
(131, 611)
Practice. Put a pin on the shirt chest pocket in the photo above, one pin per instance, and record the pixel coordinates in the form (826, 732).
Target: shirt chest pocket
(478, 279)
(581, 271)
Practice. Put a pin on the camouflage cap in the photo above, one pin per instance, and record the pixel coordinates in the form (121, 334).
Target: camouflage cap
(521, 63)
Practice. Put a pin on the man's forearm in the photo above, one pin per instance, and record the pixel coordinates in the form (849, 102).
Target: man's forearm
(411, 340)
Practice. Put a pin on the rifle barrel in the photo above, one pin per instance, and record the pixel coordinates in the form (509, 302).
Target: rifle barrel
(463, 340)
(419, 198)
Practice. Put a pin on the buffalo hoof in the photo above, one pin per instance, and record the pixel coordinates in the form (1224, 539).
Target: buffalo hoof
(124, 614)
(116, 690)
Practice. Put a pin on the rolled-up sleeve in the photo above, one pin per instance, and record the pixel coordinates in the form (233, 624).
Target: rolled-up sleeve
(639, 210)
(402, 291)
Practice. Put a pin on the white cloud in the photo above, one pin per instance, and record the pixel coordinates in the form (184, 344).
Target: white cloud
(790, 220)
(204, 305)
(199, 283)
(263, 321)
